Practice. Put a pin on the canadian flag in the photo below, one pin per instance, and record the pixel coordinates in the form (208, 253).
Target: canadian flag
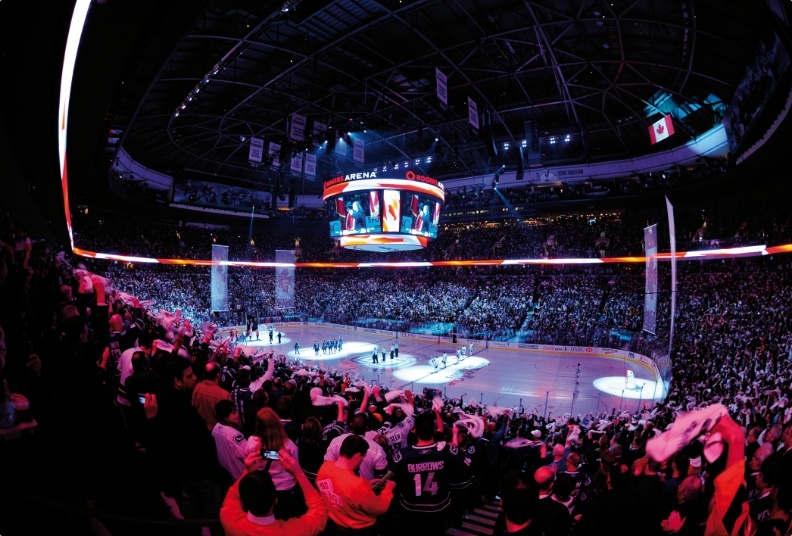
(661, 129)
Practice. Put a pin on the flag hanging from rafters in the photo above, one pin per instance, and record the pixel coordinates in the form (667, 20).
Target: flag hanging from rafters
(661, 129)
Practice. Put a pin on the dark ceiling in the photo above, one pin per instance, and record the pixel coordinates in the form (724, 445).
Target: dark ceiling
(600, 72)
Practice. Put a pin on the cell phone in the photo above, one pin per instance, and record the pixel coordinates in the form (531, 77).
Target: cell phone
(142, 399)
(380, 484)
(270, 454)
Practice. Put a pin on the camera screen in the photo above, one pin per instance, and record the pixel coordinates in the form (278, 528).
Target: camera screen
(269, 454)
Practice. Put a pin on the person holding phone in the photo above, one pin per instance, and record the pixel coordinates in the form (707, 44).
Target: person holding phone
(249, 506)
(270, 435)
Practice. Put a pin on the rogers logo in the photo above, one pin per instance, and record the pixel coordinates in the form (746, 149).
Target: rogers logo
(589, 349)
(412, 176)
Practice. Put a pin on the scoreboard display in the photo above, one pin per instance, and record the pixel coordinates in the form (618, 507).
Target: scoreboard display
(421, 214)
(374, 213)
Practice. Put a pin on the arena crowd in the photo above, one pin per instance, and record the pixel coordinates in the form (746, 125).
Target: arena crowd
(149, 414)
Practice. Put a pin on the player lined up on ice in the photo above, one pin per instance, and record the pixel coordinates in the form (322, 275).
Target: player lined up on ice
(328, 346)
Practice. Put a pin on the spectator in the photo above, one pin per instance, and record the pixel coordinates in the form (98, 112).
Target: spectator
(519, 505)
(208, 393)
(311, 449)
(554, 516)
(270, 435)
(689, 515)
(230, 442)
(423, 476)
(174, 425)
(249, 506)
(375, 462)
(354, 505)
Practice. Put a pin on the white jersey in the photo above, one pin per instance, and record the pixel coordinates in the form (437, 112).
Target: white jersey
(397, 434)
(375, 460)
(231, 449)
(125, 370)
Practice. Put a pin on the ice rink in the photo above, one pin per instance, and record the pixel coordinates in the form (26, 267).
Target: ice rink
(506, 377)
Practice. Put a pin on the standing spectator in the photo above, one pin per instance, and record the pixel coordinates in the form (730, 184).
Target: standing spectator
(271, 435)
(555, 516)
(231, 444)
(143, 380)
(208, 393)
(690, 512)
(249, 507)
(375, 461)
(560, 453)
(243, 400)
(423, 476)
(187, 447)
(310, 447)
(354, 505)
(616, 508)
(519, 505)
(124, 365)
(580, 478)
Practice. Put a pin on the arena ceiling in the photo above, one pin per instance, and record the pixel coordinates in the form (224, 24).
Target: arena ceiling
(203, 78)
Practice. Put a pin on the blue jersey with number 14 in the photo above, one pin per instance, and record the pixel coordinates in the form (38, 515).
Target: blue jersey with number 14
(423, 476)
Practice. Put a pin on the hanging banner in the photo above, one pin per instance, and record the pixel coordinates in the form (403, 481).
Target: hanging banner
(310, 164)
(219, 278)
(274, 153)
(672, 232)
(319, 133)
(284, 279)
(256, 150)
(341, 147)
(358, 151)
(650, 301)
(473, 113)
(297, 132)
(296, 163)
(442, 86)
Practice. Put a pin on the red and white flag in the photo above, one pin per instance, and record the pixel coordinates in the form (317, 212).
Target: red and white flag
(661, 129)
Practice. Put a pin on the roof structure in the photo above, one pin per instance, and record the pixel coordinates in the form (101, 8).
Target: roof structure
(553, 83)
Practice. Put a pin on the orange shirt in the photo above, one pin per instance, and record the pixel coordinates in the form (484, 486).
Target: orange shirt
(236, 522)
(204, 398)
(350, 500)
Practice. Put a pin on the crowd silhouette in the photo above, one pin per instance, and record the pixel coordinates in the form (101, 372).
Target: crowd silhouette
(97, 355)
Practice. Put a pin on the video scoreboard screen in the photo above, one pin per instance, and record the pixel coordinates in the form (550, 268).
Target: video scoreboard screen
(356, 213)
(383, 213)
(421, 214)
